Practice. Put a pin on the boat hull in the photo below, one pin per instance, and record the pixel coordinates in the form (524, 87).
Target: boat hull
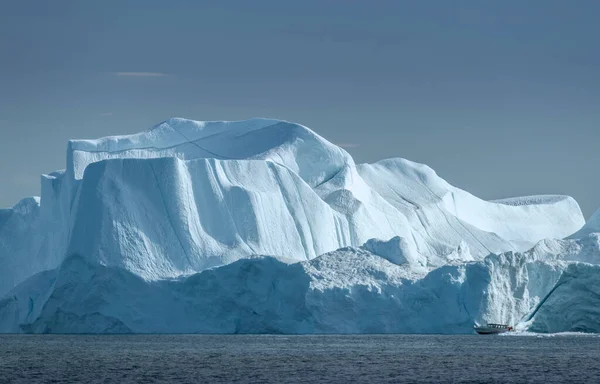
(488, 331)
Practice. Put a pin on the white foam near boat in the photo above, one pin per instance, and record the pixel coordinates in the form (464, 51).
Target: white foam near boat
(492, 329)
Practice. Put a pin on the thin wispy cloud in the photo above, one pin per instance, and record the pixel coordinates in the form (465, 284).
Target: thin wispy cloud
(141, 74)
(105, 114)
(348, 145)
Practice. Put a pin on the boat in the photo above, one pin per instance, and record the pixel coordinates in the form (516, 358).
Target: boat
(492, 329)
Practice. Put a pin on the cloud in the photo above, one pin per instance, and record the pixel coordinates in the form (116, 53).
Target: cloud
(141, 74)
(105, 114)
(348, 145)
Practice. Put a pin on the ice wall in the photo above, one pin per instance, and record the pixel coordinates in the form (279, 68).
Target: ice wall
(185, 196)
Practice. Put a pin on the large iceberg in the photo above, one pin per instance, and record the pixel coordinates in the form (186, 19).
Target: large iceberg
(264, 226)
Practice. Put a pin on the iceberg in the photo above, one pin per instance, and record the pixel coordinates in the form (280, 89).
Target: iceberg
(264, 226)
(350, 290)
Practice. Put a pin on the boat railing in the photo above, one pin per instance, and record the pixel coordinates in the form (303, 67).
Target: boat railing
(497, 325)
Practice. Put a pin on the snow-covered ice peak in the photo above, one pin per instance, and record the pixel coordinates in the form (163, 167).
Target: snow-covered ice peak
(461, 254)
(291, 145)
(396, 250)
(27, 205)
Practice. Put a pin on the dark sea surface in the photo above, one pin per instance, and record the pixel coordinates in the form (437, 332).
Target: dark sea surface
(265, 358)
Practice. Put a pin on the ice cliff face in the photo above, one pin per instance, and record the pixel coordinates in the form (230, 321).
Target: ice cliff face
(350, 290)
(148, 214)
(573, 304)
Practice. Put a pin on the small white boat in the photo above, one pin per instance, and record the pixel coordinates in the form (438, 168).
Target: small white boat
(492, 329)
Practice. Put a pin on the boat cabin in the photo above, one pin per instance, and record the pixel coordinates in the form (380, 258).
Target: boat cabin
(504, 326)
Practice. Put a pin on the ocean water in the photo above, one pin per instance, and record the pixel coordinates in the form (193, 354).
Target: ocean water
(314, 359)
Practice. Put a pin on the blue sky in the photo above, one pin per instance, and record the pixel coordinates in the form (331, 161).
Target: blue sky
(501, 98)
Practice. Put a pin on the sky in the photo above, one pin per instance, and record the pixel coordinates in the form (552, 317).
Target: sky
(501, 98)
